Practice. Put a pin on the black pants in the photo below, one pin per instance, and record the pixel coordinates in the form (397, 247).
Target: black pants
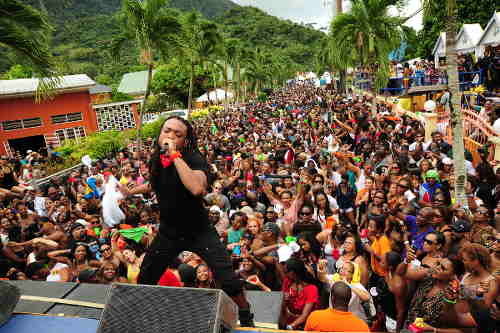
(206, 244)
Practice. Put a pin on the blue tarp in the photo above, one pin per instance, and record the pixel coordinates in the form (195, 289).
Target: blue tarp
(48, 324)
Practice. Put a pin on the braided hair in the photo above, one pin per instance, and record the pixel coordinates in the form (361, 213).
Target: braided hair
(191, 145)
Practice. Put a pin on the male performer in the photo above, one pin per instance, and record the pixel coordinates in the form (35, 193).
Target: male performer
(179, 178)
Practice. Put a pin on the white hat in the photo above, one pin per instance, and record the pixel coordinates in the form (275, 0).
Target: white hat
(447, 161)
(215, 208)
(29, 151)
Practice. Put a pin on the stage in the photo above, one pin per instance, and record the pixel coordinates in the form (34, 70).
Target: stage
(22, 323)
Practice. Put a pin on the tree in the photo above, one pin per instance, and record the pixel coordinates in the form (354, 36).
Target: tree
(151, 25)
(451, 24)
(333, 58)
(172, 79)
(369, 33)
(18, 72)
(197, 41)
(435, 17)
(26, 31)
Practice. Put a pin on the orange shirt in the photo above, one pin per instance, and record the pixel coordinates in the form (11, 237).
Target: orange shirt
(331, 320)
(380, 246)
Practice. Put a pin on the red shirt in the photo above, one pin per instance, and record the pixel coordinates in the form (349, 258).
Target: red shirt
(169, 279)
(297, 300)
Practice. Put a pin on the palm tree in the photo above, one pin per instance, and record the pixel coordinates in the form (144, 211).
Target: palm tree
(197, 42)
(151, 25)
(231, 55)
(368, 33)
(454, 103)
(26, 31)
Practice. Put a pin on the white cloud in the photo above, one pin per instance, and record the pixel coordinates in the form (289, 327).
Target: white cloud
(318, 11)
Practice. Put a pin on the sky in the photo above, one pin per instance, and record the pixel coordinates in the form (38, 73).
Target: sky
(319, 11)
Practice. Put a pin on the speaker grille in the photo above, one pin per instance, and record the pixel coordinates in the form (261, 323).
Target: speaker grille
(132, 309)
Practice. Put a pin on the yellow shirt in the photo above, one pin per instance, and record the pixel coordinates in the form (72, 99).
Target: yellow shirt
(380, 247)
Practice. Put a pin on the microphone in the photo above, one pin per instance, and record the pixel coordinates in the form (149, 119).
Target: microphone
(164, 148)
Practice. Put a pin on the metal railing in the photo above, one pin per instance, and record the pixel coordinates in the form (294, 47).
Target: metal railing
(45, 180)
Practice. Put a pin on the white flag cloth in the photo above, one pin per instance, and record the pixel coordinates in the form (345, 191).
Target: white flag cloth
(111, 211)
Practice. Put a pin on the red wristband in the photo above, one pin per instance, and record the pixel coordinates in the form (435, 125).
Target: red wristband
(174, 155)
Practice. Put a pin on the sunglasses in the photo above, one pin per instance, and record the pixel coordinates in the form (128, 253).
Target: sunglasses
(428, 241)
(105, 249)
(305, 213)
(403, 186)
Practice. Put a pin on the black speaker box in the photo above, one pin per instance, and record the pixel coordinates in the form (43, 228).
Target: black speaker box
(95, 293)
(43, 289)
(140, 308)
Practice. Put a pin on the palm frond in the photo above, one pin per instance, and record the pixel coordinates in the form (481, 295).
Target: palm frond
(23, 15)
(33, 46)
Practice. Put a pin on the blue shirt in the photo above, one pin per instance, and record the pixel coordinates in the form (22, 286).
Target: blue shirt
(416, 236)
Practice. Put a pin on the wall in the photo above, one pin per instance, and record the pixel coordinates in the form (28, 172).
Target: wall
(22, 108)
(100, 98)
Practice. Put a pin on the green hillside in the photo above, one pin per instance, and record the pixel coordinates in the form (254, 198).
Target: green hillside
(83, 30)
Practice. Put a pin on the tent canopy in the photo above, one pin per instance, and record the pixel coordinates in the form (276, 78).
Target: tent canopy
(214, 96)
(468, 38)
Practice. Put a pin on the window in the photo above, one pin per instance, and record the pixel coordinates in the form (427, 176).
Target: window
(115, 117)
(32, 122)
(74, 116)
(66, 118)
(10, 125)
(75, 133)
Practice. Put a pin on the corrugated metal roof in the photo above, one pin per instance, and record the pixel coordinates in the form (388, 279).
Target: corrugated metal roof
(134, 83)
(29, 86)
(100, 89)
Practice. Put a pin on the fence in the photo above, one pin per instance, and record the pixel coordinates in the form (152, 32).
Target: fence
(364, 81)
(477, 132)
(45, 180)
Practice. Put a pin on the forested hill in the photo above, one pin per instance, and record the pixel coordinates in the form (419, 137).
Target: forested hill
(62, 11)
(259, 29)
(83, 30)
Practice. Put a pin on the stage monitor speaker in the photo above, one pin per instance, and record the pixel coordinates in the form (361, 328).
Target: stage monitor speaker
(57, 290)
(266, 307)
(84, 292)
(140, 308)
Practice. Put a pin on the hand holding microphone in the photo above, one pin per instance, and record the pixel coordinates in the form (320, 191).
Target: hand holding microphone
(168, 152)
(168, 146)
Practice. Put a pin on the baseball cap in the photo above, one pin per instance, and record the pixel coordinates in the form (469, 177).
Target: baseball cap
(87, 274)
(447, 161)
(75, 226)
(461, 226)
(432, 174)
(215, 208)
(272, 227)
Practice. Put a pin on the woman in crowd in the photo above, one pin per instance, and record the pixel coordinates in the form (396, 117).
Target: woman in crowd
(301, 295)
(108, 274)
(204, 277)
(353, 252)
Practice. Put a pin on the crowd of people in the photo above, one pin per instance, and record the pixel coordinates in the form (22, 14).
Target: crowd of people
(472, 72)
(336, 202)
